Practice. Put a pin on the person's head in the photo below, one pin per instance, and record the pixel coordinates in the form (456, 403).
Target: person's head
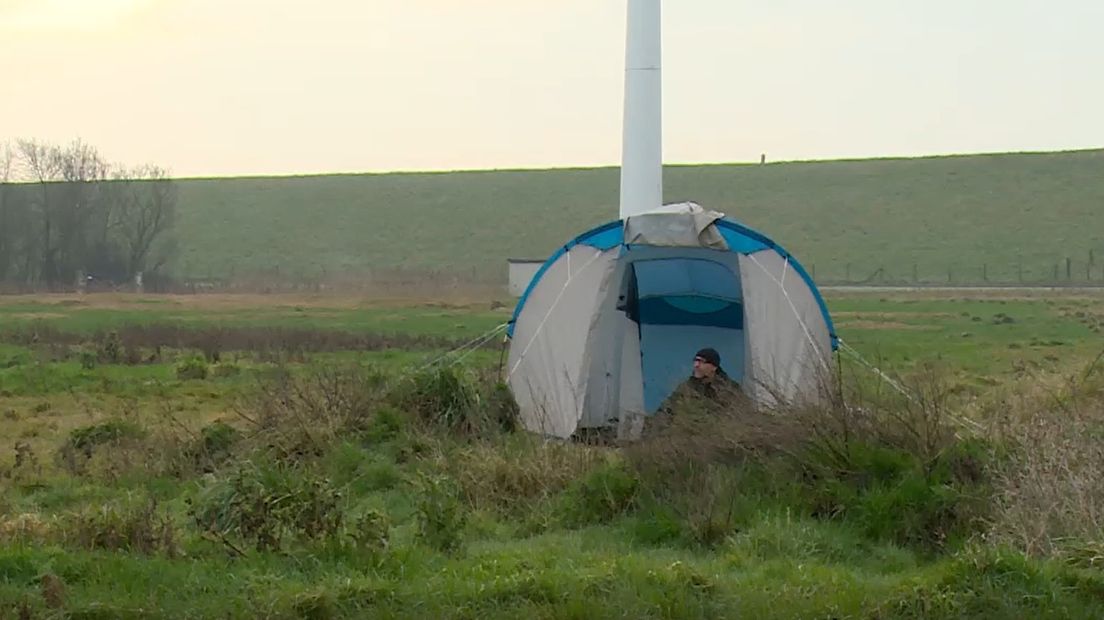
(706, 363)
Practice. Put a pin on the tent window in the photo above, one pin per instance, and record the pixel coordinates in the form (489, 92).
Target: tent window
(682, 277)
(685, 310)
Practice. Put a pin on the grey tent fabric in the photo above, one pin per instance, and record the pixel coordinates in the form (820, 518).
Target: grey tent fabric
(548, 356)
(788, 344)
(680, 225)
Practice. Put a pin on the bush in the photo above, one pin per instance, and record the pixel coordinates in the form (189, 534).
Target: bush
(503, 408)
(193, 368)
(512, 477)
(440, 514)
(226, 369)
(605, 493)
(109, 348)
(896, 469)
(385, 425)
(301, 416)
(213, 447)
(445, 396)
(142, 529)
(265, 505)
(84, 441)
(371, 532)
(1050, 481)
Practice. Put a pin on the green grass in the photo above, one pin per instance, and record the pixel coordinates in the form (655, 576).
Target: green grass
(567, 554)
(989, 336)
(585, 575)
(87, 317)
(964, 214)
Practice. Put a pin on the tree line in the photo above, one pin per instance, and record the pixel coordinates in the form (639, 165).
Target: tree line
(65, 211)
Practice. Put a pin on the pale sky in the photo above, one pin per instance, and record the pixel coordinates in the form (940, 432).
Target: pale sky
(224, 87)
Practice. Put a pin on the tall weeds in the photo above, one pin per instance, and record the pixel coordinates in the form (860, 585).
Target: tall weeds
(1050, 483)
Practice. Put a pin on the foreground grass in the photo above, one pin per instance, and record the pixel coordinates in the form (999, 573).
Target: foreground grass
(455, 523)
(565, 575)
(773, 564)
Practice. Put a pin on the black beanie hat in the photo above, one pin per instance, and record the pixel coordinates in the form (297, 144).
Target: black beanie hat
(711, 356)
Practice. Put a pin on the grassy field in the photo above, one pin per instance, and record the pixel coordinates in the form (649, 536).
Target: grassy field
(961, 219)
(289, 456)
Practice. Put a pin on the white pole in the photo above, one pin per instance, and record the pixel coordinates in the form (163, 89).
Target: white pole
(642, 141)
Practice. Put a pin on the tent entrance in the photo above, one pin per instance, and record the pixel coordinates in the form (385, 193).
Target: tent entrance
(681, 305)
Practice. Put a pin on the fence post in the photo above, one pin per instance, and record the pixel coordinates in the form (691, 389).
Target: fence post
(984, 272)
(950, 276)
(915, 278)
(847, 276)
(1069, 269)
(1019, 266)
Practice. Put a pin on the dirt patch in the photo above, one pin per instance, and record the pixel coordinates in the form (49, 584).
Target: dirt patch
(892, 316)
(135, 339)
(30, 316)
(252, 301)
(886, 325)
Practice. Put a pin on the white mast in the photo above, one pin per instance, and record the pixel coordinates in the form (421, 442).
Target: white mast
(642, 141)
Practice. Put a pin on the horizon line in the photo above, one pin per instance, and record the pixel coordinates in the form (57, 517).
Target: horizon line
(587, 167)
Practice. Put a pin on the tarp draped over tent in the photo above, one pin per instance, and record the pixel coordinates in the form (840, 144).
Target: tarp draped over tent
(608, 326)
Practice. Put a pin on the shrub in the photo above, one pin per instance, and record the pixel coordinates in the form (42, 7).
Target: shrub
(142, 529)
(193, 368)
(213, 447)
(109, 348)
(371, 532)
(1050, 481)
(605, 493)
(892, 494)
(445, 395)
(896, 468)
(265, 505)
(226, 369)
(86, 439)
(297, 416)
(385, 424)
(441, 516)
(512, 477)
(502, 407)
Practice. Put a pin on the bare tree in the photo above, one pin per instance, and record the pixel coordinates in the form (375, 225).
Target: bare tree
(64, 210)
(145, 210)
(8, 231)
(65, 206)
(81, 210)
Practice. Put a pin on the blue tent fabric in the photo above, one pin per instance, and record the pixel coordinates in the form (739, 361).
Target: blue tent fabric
(685, 276)
(739, 238)
(673, 311)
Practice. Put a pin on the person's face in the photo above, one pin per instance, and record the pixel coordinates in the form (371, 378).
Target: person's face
(703, 369)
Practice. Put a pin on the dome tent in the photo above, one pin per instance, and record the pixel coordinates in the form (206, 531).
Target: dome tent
(608, 326)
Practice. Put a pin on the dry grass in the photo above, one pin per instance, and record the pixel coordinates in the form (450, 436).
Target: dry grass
(1051, 486)
(510, 479)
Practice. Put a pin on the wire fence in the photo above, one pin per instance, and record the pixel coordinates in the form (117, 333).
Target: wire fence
(1066, 271)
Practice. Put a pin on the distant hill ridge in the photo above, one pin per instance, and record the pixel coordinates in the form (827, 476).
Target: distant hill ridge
(963, 218)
